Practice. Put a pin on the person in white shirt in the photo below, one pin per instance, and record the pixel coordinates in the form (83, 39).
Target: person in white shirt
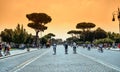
(89, 46)
(101, 48)
(54, 48)
(74, 48)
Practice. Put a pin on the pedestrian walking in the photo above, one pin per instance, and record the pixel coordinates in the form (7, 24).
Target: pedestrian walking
(1, 50)
(7, 49)
(84, 45)
(74, 48)
(27, 46)
(66, 48)
(89, 46)
(100, 48)
(54, 48)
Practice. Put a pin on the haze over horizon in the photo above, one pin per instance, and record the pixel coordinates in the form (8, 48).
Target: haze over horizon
(65, 14)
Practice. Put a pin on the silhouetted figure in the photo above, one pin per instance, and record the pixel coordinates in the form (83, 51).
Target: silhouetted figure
(84, 45)
(74, 48)
(27, 46)
(89, 46)
(7, 49)
(54, 48)
(100, 48)
(66, 48)
(1, 50)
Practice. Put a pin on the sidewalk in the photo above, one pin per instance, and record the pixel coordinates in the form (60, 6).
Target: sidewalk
(115, 49)
(17, 52)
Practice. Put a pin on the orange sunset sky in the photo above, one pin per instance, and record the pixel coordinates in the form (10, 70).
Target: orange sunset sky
(65, 14)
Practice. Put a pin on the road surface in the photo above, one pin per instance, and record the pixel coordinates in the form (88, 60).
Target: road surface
(43, 60)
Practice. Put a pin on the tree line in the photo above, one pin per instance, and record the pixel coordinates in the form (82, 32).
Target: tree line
(21, 36)
(86, 35)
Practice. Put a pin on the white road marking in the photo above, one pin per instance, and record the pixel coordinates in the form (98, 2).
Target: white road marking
(101, 62)
(21, 66)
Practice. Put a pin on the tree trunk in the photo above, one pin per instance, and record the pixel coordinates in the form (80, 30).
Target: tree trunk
(36, 39)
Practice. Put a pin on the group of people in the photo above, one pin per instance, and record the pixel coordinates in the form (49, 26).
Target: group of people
(88, 46)
(66, 48)
(5, 48)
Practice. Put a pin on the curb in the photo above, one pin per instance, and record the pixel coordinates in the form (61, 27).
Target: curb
(114, 50)
(3, 57)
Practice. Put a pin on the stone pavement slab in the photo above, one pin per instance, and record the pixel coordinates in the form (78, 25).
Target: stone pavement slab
(17, 52)
(62, 62)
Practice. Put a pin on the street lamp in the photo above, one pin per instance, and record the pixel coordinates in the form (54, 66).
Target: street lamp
(118, 16)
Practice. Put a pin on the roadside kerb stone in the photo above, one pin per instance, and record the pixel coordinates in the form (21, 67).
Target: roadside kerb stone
(23, 52)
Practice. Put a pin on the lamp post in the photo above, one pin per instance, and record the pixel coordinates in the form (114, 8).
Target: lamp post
(118, 16)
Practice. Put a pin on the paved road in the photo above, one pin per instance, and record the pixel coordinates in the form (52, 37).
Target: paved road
(43, 61)
(109, 57)
(11, 63)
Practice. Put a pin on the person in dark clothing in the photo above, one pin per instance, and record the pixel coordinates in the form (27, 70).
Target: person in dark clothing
(27, 46)
(66, 48)
(1, 50)
(7, 49)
